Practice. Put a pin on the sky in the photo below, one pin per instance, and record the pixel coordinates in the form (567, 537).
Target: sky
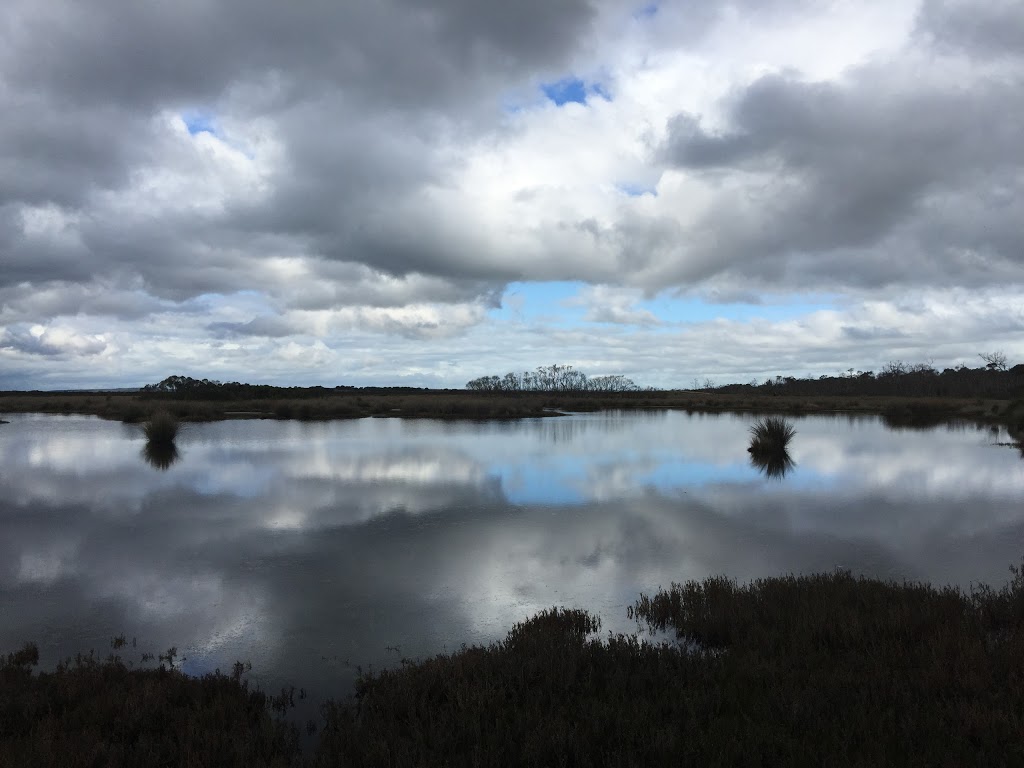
(420, 193)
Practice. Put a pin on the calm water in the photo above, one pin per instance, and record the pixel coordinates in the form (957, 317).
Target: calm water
(309, 549)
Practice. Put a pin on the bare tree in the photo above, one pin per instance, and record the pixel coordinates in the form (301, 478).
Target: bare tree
(894, 368)
(994, 361)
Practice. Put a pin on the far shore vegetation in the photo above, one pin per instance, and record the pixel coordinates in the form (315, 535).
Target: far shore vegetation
(825, 669)
(905, 395)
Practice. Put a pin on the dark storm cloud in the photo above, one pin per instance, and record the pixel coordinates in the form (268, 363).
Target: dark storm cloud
(985, 29)
(843, 166)
(28, 259)
(404, 54)
(355, 94)
(22, 341)
(343, 284)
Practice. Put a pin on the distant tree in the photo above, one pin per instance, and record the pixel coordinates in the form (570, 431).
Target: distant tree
(612, 384)
(994, 361)
(552, 378)
(894, 368)
(484, 384)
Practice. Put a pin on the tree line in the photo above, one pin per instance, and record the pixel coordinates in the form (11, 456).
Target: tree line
(552, 378)
(188, 388)
(899, 378)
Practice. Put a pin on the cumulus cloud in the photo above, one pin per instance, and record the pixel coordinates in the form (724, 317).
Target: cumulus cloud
(606, 304)
(989, 29)
(189, 177)
(865, 172)
(57, 342)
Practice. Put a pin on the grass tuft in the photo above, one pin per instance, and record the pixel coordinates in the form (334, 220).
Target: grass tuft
(770, 435)
(161, 429)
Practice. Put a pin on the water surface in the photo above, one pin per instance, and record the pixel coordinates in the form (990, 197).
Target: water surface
(310, 548)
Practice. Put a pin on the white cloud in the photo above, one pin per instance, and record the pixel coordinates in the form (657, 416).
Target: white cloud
(367, 194)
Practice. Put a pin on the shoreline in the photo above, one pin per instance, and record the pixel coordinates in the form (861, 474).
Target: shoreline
(459, 405)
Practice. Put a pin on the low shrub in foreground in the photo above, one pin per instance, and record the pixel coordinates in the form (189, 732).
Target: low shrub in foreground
(92, 713)
(814, 670)
(811, 670)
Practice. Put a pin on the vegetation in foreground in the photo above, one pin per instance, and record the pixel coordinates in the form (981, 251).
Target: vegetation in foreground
(101, 713)
(812, 670)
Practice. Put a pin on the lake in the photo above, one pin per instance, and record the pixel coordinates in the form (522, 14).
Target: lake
(312, 548)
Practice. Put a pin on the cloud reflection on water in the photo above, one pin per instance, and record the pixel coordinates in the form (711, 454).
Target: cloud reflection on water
(297, 546)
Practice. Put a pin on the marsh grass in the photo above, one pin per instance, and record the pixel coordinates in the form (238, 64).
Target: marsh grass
(90, 712)
(812, 670)
(770, 435)
(161, 429)
(825, 669)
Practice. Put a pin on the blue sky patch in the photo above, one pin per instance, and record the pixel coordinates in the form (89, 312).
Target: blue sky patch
(546, 302)
(573, 90)
(199, 122)
(636, 190)
(568, 89)
(646, 12)
(551, 303)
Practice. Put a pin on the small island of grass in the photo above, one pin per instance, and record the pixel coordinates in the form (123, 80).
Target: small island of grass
(161, 429)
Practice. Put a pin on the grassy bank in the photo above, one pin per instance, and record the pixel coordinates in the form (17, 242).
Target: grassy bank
(814, 670)
(461, 404)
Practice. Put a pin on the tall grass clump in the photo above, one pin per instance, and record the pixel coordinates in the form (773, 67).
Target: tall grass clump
(161, 429)
(90, 712)
(771, 434)
(827, 669)
(823, 669)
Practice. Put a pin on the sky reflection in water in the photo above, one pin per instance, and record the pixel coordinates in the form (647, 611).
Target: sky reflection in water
(311, 548)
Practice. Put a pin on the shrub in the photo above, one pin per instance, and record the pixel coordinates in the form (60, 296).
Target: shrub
(89, 713)
(162, 428)
(770, 434)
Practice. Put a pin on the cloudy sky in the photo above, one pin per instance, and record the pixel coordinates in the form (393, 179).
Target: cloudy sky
(424, 192)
